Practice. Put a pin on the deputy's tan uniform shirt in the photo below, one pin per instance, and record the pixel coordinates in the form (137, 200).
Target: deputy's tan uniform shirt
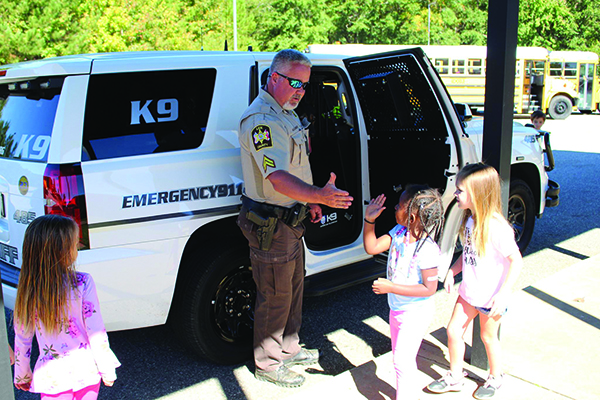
(272, 139)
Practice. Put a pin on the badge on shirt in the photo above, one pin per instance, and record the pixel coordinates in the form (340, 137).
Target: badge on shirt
(267, 162)
(261, 137)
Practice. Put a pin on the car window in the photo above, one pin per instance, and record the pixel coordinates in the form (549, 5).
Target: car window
(27, 112)
(132, 114)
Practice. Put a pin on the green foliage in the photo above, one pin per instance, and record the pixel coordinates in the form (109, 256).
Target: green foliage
(546, 23)
(33, 29)
(38, 28)
(290, 24)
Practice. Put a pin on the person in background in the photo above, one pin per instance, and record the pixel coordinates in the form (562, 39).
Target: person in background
(538, 118)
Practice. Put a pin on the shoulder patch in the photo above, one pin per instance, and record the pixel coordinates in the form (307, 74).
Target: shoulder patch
(261, 137)
(267, 162)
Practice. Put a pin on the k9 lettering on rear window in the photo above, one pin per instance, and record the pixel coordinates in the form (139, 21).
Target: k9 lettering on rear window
(31, 147)
(166, 110)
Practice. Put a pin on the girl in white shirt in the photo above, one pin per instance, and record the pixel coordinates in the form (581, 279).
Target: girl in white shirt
(413, 261)
(490, 264)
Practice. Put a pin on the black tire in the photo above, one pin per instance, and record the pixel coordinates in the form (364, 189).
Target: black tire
(214, 310)
(521, 212)
(560, 107)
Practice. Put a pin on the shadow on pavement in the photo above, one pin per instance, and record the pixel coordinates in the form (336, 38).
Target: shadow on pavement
(561, 305)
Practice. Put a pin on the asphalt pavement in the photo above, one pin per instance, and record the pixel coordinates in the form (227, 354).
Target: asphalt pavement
(550, 336)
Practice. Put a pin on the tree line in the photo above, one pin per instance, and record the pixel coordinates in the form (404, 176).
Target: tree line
(34, 29)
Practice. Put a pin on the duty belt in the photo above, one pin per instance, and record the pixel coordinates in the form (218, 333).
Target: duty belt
(292, 216)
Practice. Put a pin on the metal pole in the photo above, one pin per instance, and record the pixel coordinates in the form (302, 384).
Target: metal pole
(429, 4)
(428, 23)
(235, 25)
(503, 22)
(6, 379)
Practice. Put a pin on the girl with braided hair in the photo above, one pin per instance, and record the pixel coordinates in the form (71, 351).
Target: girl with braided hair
(412, 271)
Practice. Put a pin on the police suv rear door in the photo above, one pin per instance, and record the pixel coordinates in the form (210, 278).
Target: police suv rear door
(413, 131)
(160, 147)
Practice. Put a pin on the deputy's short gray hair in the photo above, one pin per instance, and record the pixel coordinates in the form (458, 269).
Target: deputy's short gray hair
(286, 57)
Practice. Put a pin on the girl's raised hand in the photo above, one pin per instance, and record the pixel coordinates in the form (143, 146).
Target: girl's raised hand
(375, 208)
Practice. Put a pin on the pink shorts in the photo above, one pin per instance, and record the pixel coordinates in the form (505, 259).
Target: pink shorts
(87, 393)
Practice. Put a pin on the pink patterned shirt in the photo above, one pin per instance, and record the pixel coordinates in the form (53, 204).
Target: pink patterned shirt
(77, 357)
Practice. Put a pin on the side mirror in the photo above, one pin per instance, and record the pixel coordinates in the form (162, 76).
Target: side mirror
(464, 112)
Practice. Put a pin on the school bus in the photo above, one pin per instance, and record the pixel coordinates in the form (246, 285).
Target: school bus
(583, 69)
(463, 71)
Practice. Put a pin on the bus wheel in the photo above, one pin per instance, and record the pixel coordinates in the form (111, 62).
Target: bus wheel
(214, 313)
(521, 212)
(560, 107)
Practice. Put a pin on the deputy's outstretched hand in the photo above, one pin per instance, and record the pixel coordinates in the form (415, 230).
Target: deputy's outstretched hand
(334, 197)
(375, 208)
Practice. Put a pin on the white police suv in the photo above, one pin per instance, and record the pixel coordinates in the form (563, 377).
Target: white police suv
(141, 149)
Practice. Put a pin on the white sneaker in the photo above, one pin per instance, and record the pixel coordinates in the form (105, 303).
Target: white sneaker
(489, 388)
(447, 383)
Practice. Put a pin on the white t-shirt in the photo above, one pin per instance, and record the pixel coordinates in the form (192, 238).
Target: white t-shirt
(482, 277)
(402, 271)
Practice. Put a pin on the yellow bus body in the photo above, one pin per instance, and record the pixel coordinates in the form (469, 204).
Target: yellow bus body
(462, 69)
(583, 69)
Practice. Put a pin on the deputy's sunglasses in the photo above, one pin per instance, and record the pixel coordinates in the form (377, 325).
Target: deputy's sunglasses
(295, 83)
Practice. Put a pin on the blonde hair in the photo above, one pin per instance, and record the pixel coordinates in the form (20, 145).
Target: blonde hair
(47, 273)
(482, 184)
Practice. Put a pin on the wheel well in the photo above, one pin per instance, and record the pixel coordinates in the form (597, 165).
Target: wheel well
(208, 236)
(568, 96)
(528, 173)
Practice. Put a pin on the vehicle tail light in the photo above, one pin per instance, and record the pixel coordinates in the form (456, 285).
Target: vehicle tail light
(64, 195)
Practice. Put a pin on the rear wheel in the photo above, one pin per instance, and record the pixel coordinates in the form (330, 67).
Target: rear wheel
(560, 107)
(214, 313)
(521, 212)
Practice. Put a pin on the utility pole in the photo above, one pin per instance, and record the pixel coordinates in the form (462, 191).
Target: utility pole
(429, 21)
(503, 23)
(235, 25)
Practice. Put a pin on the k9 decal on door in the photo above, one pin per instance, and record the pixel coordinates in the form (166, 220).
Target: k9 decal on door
(166, 109)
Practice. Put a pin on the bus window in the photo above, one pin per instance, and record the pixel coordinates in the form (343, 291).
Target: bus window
(458, 67)
(474, 66)
(556, 68)
(538, 68)
(441, 64)
(570, 68)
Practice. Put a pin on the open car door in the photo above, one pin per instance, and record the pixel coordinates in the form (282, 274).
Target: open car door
(412, 126)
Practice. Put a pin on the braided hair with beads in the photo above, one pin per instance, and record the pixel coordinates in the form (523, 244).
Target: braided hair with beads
(426, 203)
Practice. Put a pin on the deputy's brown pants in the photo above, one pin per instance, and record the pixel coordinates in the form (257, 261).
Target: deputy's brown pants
(279, 277)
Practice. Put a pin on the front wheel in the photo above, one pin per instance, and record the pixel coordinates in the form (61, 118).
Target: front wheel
(214, 313)
(560, 107)
(521, 212)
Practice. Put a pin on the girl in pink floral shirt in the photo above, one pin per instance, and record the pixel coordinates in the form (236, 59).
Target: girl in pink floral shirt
(60, 307)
